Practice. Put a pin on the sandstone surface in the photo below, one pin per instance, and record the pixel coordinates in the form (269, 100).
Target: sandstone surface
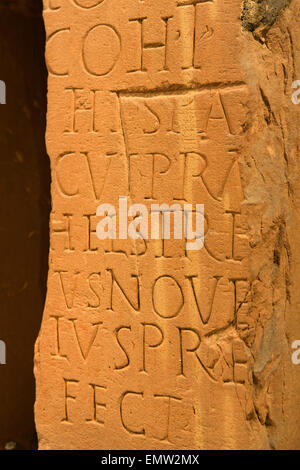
(143, 344)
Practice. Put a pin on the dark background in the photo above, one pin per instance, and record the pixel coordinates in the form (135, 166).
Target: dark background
(24, 212)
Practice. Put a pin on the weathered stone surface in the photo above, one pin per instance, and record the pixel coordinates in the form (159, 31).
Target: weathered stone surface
(145, 345)
(261, 12)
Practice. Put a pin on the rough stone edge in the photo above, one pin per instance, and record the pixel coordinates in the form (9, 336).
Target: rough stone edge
(270, 188)
(261, 13)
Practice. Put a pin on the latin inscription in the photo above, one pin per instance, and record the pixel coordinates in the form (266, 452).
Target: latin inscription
(152, 106)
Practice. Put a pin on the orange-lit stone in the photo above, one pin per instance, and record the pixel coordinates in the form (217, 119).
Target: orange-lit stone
(145, 345)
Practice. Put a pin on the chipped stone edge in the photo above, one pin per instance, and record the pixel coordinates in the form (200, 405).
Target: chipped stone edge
(261, 13)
